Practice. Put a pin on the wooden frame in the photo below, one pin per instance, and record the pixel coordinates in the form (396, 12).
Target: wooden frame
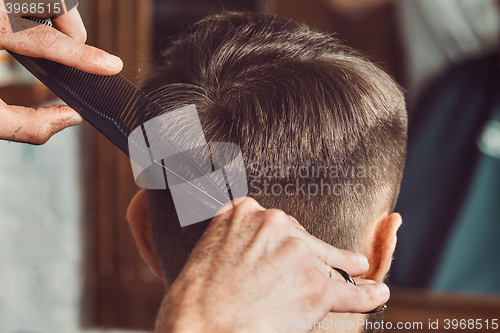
(120, 290)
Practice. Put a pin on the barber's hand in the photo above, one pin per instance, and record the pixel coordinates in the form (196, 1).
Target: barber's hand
(65, 43)
(255, 270)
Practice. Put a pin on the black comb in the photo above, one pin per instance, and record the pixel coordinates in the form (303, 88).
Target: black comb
(112, 104)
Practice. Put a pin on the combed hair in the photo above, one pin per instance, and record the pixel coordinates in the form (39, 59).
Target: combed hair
(290, 97)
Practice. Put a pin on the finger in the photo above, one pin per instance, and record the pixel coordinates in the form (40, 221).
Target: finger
(21, 124)
(46, 42)
(249, 203)
(353, 263)
(71, 24)
(346, 297)
(328, 271)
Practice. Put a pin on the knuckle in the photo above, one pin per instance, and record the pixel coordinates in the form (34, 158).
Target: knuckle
(297, 246)
(247, 203)
(87, 54)
(49, 38)
(274, 221)
(276, 216)
(347, 261)
(242, 209)
(40, 136)
(44, 129)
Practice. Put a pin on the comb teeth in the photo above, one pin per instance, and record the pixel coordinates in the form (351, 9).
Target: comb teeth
(46, 22)
(112, 97)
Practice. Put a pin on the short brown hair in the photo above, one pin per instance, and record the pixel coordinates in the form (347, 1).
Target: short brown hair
(291, 98)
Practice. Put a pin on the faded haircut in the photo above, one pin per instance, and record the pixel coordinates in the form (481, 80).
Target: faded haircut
(293, 99)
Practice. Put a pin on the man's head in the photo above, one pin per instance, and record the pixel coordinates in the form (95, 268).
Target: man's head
(322, 133)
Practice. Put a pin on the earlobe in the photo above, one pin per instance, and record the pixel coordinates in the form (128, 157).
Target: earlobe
(381, 245)
(140, 223)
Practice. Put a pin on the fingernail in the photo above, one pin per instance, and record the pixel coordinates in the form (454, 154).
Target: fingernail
(75, 120)
(384, 290)
(113, 62)
(370, 281)
(363, 261)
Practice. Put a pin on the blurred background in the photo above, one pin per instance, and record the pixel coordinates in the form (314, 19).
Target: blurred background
(69, 263)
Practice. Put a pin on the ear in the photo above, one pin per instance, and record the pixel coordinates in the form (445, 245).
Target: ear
(380, 246)
(140, 223)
